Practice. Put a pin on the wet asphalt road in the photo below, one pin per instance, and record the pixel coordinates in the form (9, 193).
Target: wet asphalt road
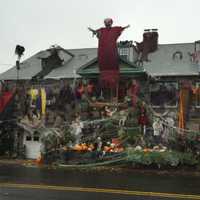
(15, 194)
(118, 180)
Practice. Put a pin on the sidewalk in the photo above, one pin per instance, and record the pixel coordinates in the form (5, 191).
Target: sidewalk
(4, 161)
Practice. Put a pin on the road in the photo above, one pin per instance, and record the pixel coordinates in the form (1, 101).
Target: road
(28, 183)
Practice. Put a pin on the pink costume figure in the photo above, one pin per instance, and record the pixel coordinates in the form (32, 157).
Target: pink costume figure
(108, 53)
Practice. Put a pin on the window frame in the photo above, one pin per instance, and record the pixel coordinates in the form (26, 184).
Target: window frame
(124, 51)
(29, 138)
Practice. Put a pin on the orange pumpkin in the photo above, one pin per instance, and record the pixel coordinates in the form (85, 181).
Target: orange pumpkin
(84, 147)
(77, 147)
(146, 150)
(39, 160)
(107, 149)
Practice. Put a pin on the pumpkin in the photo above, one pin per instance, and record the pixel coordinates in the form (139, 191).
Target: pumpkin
(77, 147)
(146, 150)
(39, 160)
(91, 147)
(84, 147)
(107, 149)
(119, 149)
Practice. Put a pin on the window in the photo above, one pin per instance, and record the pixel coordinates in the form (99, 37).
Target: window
(164, 94)
(124, 52)
(36, 137)
(28, 138)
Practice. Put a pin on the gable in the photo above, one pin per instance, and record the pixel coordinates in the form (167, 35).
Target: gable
(91, 69)
(54, 58)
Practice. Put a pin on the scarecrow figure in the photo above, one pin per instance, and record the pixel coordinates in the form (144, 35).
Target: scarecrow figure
(108, 52)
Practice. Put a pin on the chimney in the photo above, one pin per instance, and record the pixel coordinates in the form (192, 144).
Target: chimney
(197, 45)
(150, 37)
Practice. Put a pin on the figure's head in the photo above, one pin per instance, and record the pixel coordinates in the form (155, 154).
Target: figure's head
(108, 22)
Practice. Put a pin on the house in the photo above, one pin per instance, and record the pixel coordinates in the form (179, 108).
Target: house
(161, 73)
(171, 67)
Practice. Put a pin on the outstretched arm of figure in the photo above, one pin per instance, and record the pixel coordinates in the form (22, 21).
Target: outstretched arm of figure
(125, 27)
(94, 32)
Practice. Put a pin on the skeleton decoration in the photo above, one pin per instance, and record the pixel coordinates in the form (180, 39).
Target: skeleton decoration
(76, 129)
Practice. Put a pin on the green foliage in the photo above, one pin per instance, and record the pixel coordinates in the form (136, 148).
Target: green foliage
(168, 158)
(173, 158)
(173, 137)
(84, 106)
(134, 156)
(189, 159)
(122, 133)
(146, 159)
(192, 136)
(132, 135)
(157, 158)
(67, 136)
(109, 125)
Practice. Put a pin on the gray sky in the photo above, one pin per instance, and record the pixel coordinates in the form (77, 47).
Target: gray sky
(38, 24)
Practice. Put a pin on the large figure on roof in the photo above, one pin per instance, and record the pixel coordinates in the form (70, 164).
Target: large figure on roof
(107, 52)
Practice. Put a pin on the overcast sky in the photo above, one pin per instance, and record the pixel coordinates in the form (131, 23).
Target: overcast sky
(38, 24)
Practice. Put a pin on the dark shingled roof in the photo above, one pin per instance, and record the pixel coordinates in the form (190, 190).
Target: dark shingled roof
(161, 63)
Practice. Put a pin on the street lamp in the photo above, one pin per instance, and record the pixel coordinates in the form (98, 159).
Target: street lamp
(19, 50)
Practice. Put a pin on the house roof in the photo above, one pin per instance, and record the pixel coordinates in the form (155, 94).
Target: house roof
(32, 66)
(28, 69)
(68, 70)
(162, 62)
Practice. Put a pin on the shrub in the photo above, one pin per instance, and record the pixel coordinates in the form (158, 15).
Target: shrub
(161, 159)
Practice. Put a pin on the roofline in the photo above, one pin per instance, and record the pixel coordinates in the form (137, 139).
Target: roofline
(167, 75)
(177, 43)
(158, 44)
(91, 48)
